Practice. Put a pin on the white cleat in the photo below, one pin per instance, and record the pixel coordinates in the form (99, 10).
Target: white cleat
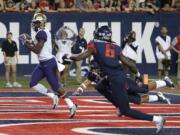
(72, 111)
(160, 124)
(55, 101)
(9, 85)
(17, 85)
(162, 98)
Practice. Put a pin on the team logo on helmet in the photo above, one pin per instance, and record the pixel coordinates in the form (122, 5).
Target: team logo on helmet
(39, 20)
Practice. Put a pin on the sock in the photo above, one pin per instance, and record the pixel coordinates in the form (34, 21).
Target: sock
(50, 94)
(43, 90)
(160, 84)
(156, 119)
(153, 98)
(69, 102)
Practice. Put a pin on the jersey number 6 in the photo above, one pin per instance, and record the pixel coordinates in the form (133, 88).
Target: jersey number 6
(110, 52)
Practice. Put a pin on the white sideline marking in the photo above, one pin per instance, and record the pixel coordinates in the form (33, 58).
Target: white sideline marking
(10, 111)
(82, 106)
(91, 120)
(20, 101)
(85, 121)
(94, 101)
(35, 101)
(107, 115)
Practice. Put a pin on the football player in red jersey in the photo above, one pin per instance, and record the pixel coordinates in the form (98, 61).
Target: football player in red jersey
(176, 47)
(108, 54)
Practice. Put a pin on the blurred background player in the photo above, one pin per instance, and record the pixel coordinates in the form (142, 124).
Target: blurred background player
(47, 67)
(137, 91)
(129, 49)
(176, 47)
(107, 54)
(163, 53)
(79, 47)
(64, 44)
(10, 53)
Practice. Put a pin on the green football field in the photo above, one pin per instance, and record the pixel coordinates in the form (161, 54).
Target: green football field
(71, 82)
(24, 81)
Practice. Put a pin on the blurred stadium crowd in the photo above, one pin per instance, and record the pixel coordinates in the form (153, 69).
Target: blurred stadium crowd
(150, 6)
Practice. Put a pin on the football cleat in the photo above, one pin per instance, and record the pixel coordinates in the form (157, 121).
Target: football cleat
(162, 98)
(160, 124)
(55, 101)
(168, 81)
(72, 111)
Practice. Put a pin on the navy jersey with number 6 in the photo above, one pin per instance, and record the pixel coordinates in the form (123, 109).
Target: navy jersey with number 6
(107, 56)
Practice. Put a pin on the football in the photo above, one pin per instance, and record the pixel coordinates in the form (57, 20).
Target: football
(23, 38)
(27, 36)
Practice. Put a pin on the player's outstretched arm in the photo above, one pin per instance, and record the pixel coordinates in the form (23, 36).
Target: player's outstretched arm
(26, 40)
(129, 64)
(174, 49)
(82, 87)
(83, 55)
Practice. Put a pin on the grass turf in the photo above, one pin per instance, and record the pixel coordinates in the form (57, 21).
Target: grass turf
(70, 84)
(24, 81)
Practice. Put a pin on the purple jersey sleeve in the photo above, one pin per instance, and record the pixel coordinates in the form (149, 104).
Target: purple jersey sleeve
(41, 35)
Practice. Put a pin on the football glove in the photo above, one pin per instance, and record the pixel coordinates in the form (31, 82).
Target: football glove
(78, 92)
(66, 59)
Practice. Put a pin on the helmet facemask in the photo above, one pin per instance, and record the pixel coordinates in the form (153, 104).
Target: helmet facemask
(103, 33)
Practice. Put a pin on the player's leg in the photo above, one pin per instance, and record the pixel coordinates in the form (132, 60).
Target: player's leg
(103, 88)
(178, 67)
(136, 89)
(120, 95)
(38, 75)
(82, 87)
(166, 69)
(133, 88)
(78, 71)
(52, 78)
(148, 98)
(65, 75)
(160, 83)
(160, 68)
(134, 98)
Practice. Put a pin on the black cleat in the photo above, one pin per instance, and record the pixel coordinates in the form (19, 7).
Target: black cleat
(162, 98)
(168, 81)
